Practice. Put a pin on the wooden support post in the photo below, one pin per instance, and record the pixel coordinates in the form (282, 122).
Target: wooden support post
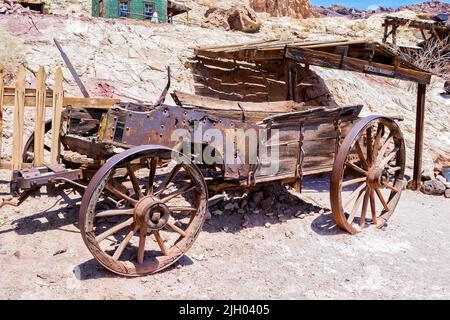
(1, 111)
(39, 122)
(58, 97)
(19, 109)
(291, 79)
(418, 147)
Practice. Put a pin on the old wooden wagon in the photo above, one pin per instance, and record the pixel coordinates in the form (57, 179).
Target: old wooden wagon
(145, 198)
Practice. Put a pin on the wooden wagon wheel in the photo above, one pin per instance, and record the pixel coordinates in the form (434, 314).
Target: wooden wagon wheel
(28, 149)
(142, 211)
(368, 172)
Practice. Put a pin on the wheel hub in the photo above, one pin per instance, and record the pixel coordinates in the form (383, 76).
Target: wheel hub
(374, 177)
(151, 212)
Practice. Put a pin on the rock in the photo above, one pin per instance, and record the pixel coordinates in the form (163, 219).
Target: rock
(281, 8)
(300, 215)
(267, 225)
(17, 254)
(199, 257)
(217, 212)
(258, 197)
(241, 211)
(267, 203)
(447, 193)
(433, 187)
(60, 251)
(229, 206)
(239, 17)
(289, 234)
(441, 179)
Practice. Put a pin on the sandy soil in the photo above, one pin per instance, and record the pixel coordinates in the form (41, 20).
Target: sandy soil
(43, 257)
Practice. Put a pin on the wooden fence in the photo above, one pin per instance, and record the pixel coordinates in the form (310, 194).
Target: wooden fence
(40, 98)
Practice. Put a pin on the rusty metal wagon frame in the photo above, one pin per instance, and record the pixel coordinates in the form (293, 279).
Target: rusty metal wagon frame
(145, 201)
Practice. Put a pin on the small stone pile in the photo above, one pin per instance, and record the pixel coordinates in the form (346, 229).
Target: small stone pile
(272, 200)
(9, 7)
(436, 185)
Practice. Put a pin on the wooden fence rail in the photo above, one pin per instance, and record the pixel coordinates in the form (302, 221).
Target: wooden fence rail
(40, 98)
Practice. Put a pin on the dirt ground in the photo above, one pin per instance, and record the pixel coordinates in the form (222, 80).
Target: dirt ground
(43, 256)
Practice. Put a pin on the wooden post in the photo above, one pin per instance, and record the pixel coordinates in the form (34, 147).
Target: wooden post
(1, 111)
(58, 96)
(291, 79)
(418, 147)
(19, 108)
(39, 121)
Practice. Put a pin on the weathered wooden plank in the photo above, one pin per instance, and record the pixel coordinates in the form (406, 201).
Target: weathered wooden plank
(329, 60)
(58, 98)
(39, 129)
(19, 110)
(1, 110)
(90, 103)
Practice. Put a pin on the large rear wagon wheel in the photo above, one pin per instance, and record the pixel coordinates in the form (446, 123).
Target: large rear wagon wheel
(142, 210)
(368, 172)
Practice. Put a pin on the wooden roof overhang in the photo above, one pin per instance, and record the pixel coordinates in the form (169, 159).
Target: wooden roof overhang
(357, 56)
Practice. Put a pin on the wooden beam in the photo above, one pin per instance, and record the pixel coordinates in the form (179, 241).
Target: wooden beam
(1, 110)
(329, 60)
(291, 79)
(418, 146)
(19, 108)
(39, 121)
(58, 96)
(90, 103)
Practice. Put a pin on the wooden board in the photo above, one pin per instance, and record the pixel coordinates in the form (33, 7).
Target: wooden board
(58, 96)
(19, 110)
(1, 110)
(39, 129)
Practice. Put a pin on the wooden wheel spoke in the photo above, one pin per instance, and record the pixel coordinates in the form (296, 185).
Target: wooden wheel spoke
(134, 181)
(393, 170)
(182, 209)
(115, 212)
(388, 158)
(114, 229)
(151, 176)
(362, 220)
(391, 187)
(376, 144)
(168, 180)
(124, 244)
(171, 225)
(373, 208)
(369, 144)
(351, 217)
(356, 168)
(141, 248)
(178, 193)
(353, 195)
(381, 198)
(161, 244)
(120, 194)
(361, 155)
(353, 181)
(384, 147)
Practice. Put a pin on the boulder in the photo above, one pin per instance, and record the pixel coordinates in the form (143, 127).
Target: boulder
(284, 8)
(239, 18)
(433, 187)
(447, 193)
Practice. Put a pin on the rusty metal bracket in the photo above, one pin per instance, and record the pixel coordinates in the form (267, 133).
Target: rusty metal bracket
(36, 177)
(162, 98)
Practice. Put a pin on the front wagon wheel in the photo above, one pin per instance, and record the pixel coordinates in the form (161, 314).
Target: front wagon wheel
(142, 210)
(368, 174)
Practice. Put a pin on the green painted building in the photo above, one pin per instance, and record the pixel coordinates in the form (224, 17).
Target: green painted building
(135, 9)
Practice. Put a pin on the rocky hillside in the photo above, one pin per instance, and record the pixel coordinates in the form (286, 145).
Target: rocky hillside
(127, 59)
